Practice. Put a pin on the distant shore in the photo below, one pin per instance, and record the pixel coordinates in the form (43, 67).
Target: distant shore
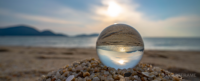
(29, 63)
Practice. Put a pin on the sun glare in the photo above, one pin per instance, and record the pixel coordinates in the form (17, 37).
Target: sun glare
(122, 49)
(114, 9)
(121, 61)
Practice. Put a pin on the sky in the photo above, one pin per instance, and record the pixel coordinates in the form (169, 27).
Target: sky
(151, 18)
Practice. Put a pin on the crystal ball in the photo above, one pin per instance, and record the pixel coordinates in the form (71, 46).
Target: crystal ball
(120, 46)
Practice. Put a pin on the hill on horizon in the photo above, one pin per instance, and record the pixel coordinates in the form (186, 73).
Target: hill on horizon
(24, 30)
(86, 35)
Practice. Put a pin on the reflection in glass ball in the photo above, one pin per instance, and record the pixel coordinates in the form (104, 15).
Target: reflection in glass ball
(120, 46)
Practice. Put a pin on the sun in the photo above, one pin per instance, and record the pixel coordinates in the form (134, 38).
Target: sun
(114, 9)
(121, 61)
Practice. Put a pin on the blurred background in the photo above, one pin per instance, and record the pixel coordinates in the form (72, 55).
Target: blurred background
(38, 36)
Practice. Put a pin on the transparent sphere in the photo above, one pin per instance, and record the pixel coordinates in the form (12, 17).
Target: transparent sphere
(120, 46)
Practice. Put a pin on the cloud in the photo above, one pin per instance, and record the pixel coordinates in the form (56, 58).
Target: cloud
(172, 26)
(64, 19)
(36, 17)
(45, 19)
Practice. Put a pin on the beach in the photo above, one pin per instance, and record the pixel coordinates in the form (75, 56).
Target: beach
(19, 63)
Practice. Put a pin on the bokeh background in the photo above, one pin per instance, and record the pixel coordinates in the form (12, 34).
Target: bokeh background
(153, 18)
(38, 36)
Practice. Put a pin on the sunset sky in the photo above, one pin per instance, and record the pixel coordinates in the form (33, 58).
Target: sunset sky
(152, 18)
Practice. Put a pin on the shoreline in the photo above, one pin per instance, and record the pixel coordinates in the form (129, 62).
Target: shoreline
(22, 62)
(146, 49)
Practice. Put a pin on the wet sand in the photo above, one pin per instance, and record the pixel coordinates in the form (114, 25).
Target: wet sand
(29, 63)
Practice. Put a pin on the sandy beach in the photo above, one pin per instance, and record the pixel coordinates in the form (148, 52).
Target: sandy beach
(29, 63)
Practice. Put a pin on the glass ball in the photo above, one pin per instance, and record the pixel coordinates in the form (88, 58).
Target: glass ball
(120, 46)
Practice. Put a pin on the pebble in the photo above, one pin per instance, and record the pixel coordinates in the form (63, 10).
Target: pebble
(70, 78)
(127, 74)
(94, 70)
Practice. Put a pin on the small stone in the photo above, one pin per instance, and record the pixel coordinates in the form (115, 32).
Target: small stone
(86, 74)
(121, 78)
(49, 79)
(58, 80)
(99, 72)
(70, 78)
(127, 74)
(95, 79)
(110, 79)
(79, 68)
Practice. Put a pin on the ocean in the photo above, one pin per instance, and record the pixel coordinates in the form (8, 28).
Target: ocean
(188, 44)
